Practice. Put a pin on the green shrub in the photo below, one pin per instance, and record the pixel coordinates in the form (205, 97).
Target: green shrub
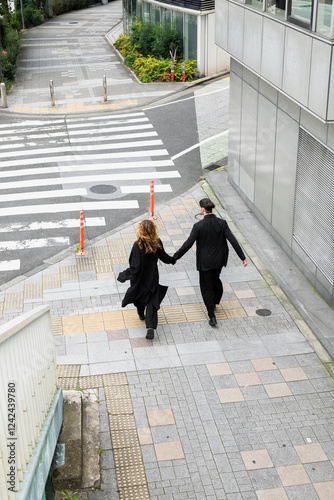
(11, 45)
(32, 17)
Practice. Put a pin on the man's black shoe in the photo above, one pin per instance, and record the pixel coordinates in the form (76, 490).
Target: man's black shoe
(213, 321)
(150, 334)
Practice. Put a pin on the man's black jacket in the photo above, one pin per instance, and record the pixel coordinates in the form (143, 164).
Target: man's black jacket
(211, 235)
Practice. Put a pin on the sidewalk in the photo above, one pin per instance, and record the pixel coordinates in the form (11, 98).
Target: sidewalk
(241, 411)
(74, 51)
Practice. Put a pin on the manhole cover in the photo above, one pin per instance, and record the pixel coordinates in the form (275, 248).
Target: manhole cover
(103, 189)
(263, 312)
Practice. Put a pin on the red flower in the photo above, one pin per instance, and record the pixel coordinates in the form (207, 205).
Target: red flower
(4, 53)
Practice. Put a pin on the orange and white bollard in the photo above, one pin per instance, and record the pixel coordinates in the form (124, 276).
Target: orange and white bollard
(152, 216)
(82, 222)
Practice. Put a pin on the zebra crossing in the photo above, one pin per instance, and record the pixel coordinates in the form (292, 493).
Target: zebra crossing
(51, 169)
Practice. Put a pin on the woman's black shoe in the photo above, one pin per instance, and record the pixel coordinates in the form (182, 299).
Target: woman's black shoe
(150, 334)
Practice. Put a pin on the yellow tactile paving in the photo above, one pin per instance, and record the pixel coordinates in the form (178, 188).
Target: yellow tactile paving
(90, 382)
(119, 320)
(114, 379)
(33, 291)
(68, 383)
(64, 371)
(104, 266)
(174, 314)
(131, 319)
(100, 253)
(68, 273)
(13, 301)
(72, 324)
(85, 263)
(57, 328)
(93, 322)
(134, 493)
(76, 107)
(51, 281)
(119, 422)
(113, 320)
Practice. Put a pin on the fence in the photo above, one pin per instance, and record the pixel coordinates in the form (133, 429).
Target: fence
(28, 385)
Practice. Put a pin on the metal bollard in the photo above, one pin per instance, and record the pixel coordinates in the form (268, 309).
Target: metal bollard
(52, 93)
(105, 88)
(3, 95)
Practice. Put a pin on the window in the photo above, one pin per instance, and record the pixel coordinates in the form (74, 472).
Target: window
(257, 4)
(324, 18)
(276, 8)
(300, 12)
(190, 36)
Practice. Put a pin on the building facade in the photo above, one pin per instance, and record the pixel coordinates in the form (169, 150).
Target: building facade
(281, 139)
(195, 22)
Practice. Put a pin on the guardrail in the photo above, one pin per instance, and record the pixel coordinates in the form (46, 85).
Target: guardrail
(28, 385)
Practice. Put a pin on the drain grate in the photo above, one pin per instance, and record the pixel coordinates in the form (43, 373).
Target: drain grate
(263, 312)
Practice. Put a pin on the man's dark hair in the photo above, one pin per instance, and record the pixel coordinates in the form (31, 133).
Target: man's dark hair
(207, 204)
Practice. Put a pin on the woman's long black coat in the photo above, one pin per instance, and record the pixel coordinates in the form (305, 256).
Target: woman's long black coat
(144, 277)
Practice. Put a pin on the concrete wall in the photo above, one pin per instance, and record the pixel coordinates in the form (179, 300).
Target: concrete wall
(263, 147)
(285, 56)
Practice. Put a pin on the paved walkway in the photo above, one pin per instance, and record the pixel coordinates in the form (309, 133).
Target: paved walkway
(241, 411)
(74, 51)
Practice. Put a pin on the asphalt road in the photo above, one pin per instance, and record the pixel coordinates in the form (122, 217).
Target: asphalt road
(51, 168)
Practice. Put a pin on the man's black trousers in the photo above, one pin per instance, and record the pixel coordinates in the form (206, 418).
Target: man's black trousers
(211, 289)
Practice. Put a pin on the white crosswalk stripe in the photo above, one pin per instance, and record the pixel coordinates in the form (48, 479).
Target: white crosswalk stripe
(49, 168)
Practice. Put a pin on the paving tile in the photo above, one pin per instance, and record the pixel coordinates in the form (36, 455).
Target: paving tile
(320, 471)
(244, 294)
(231, 395)
(118, 334)
(312, 452)
(145, 436)
(277, 390)
(72, 324)
(272, 494)
(293, 475)
(187, 290)
(217, 369)
(169, 451)
(246, 379)
(293, 374)
(256, 459)
(160, 417)
(263, 364)
(141, 342)
(325, 490)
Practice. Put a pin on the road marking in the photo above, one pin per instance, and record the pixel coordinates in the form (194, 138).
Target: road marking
(199, 144)
(60, 224)
(10, 265)
(160, 188)
(36, 243)
(80, 158)
(81, 168)
(35, 195)
(110, 122)
(68, 149)
(107, 117)
(185, 99)
(69, 207)
(136, 135)
(89, 179)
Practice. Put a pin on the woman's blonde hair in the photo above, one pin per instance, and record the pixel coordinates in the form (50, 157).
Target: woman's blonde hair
(147, 236)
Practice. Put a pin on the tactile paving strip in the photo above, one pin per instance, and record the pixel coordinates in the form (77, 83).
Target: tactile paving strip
(118, 406)
(90, 382)
(13, 301)
(130, 476)
(194, 312)
(101, 253)
(33, 291)
(85, 263)
(113, 320)
(119, 392)
(128, 457)
(119, 422)
(104, 266)
(131, 319)
(68, 273)
(174, 314)
(68, 370)
(56, 325)
(51, 281)
(126, 438)
(233, 309)
(114, 379)
(68, 383)
(134, 493)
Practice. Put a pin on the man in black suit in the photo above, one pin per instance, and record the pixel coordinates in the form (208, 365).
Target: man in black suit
(211, 235)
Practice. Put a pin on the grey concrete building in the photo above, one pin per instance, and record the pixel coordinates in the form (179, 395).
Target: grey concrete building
(281, 142)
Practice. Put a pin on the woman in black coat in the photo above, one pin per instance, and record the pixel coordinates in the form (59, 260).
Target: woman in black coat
(145, 290)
